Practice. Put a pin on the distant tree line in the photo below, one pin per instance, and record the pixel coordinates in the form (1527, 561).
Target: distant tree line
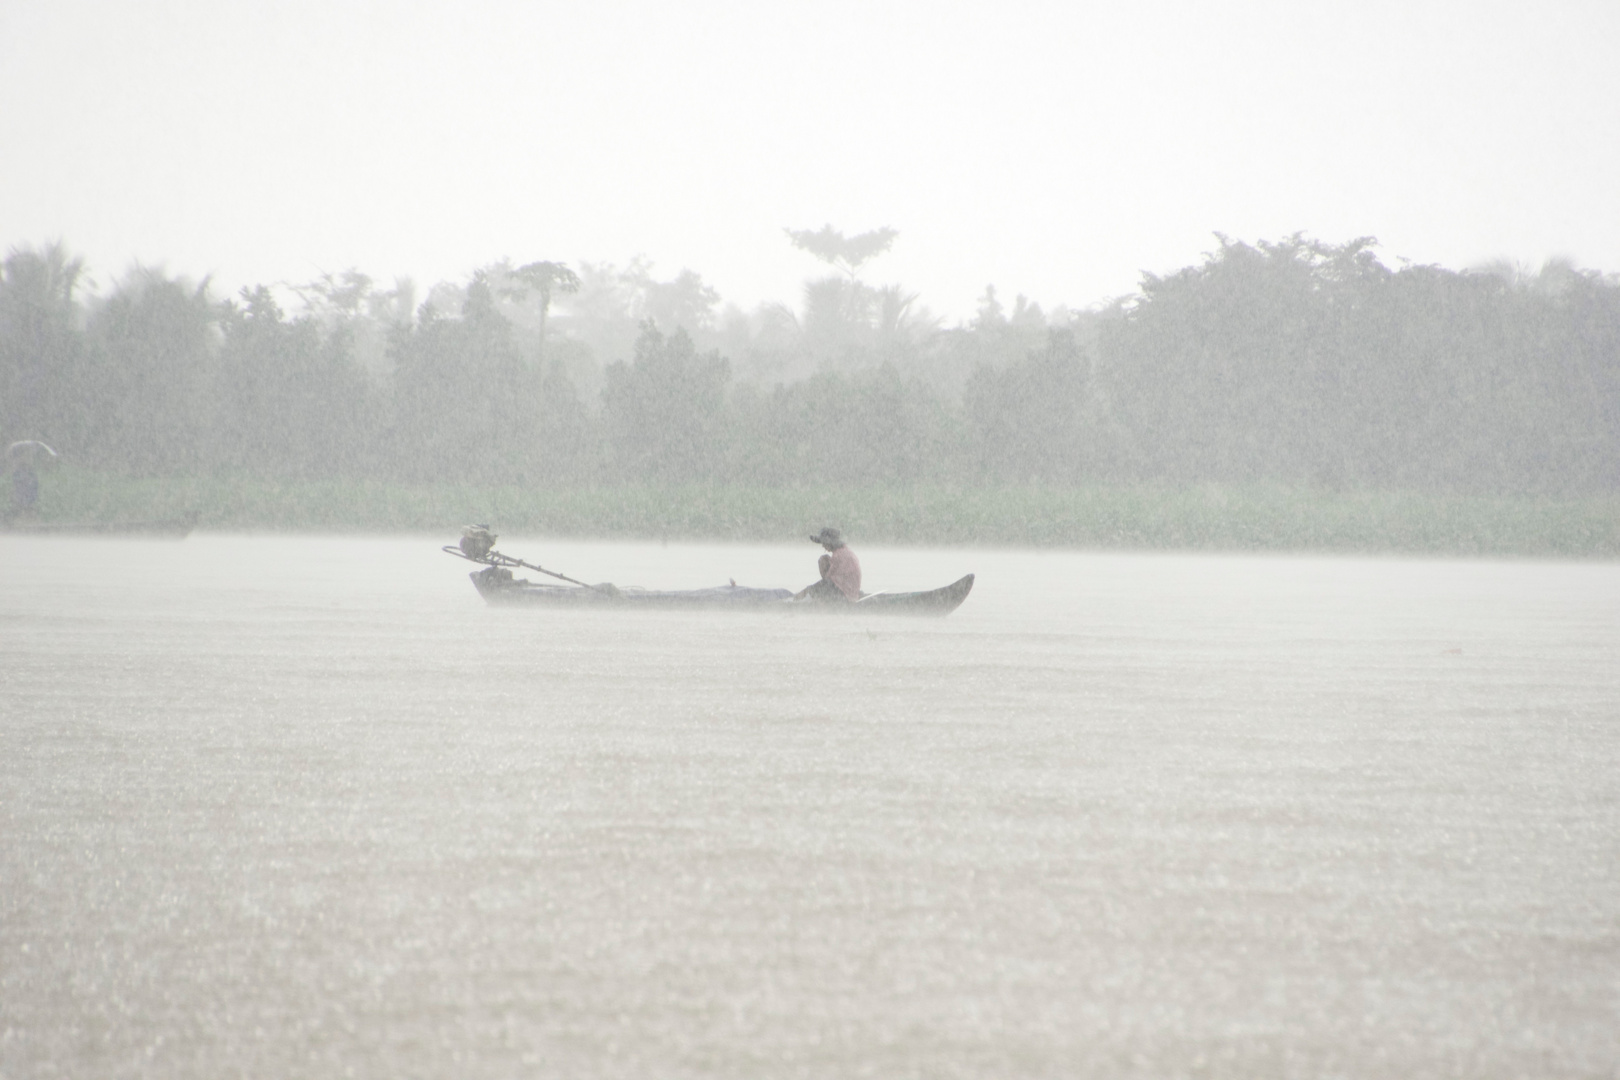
(1296, 362)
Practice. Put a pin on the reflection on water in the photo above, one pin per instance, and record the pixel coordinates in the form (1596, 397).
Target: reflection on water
(304, 806)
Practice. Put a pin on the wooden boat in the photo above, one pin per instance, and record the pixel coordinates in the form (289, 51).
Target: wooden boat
(497, 585)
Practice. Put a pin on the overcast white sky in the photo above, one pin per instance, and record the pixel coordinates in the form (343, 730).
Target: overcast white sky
(1056, 150)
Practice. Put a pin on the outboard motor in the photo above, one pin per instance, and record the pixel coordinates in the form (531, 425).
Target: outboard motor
(476, 541)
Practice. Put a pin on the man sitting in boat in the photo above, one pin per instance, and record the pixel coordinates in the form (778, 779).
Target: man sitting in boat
(840, 570)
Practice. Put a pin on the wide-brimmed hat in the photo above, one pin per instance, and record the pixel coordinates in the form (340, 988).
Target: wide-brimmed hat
(828, 537)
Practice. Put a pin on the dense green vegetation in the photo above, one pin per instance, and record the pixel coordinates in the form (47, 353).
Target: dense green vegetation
(1289, 394)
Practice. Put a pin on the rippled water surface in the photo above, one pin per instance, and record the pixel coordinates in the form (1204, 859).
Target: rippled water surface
(278, 807)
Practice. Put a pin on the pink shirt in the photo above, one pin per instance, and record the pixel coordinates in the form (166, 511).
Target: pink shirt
(844, 571)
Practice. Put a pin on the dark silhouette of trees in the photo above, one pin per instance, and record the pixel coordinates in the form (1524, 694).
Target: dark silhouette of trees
(663, 412)
(830, 428)
(155, 396)
(1232, 371)
(466, 404)
(1038, 418)
(1292, 362)
(293, 403)
(1300, 361)
(44, 365)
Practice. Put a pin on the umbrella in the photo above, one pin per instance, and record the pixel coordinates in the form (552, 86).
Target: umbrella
(30, 449)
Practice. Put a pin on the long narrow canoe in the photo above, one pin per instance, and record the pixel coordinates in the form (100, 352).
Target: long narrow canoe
(497, 585)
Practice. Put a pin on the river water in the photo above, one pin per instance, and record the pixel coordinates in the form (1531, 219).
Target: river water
(305, 806)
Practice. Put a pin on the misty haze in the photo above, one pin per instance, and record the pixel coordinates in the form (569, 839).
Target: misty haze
(685, 543)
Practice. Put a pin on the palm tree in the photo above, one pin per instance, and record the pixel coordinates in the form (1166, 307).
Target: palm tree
(547, 279)
(842, 253)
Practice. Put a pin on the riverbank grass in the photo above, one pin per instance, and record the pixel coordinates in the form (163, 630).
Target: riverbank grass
(1256, 517)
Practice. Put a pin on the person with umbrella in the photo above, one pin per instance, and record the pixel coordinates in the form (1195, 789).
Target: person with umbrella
(21, 458)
